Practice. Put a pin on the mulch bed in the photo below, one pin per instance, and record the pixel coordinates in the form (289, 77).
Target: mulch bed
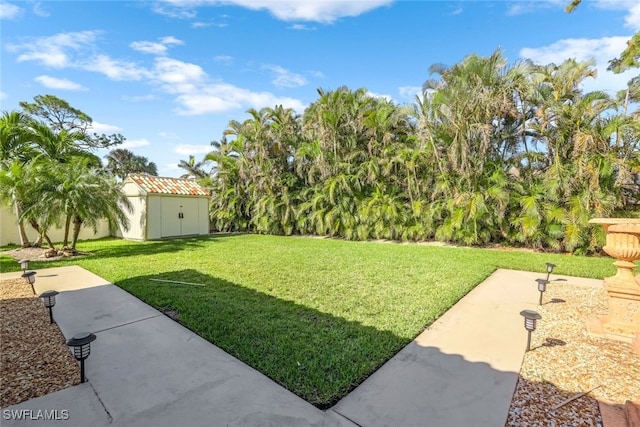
(565, 360)
(34, 357)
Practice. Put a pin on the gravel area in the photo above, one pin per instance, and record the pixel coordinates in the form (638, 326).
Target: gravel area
(34, 359)
(565, 361)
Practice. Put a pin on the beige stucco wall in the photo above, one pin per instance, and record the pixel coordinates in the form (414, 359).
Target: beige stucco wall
(9, 230)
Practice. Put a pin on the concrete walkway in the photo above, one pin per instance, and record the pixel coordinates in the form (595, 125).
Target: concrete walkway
(147, 370)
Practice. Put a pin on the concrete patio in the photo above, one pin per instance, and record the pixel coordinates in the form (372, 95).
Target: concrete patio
(147, 370)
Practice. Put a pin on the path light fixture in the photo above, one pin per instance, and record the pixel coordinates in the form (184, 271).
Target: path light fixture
(542, 287)
(30, 278)
(550, 267)
(81, 344)
(530, 318)
(49, 299)
(24, 264)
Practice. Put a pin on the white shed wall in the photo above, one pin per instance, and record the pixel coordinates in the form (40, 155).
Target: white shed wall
(154, 217)
(203, 215)
(137, 218)
(195, 218)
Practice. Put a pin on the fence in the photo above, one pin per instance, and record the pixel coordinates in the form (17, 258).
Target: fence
(9, 230)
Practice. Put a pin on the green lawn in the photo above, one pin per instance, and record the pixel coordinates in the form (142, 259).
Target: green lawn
(318, 316)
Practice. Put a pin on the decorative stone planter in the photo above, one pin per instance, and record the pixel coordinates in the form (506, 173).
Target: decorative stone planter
(623, 289)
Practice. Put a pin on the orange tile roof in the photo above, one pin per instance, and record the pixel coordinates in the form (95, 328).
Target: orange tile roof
(164, 185)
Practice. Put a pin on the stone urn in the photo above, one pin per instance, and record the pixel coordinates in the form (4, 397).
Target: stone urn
(623, 289)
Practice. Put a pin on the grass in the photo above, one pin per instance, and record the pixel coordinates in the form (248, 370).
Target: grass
(317, 316)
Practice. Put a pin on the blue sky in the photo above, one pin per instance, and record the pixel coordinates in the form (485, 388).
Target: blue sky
(170, 75)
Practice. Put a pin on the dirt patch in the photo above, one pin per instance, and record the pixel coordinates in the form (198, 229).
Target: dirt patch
(39, 254)
(34, 357)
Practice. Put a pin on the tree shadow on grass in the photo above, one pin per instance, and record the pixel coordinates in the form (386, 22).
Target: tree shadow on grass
(322, 358)
(120, 249)
(318, 356)
(153, 247)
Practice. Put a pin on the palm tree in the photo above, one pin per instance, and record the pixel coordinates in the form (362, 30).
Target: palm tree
(14, 189)
(194, 169)
(58, 146)
(83, 196)
(15, 143)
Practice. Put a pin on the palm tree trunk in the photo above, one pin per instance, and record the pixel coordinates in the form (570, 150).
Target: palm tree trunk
(77, 223)
(24, 239)
(67, 224)
(48, 239)
(36, 227)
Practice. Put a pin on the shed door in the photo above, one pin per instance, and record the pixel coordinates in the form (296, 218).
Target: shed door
(179, 216)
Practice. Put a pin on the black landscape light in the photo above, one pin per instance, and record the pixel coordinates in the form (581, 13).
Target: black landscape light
(49, 299)
(30, 278)
(24, 264)
(81, 344)
(530, 318)
(542, 287)
(550, 267)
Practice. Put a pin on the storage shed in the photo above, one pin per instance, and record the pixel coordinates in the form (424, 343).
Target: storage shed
(165, 207)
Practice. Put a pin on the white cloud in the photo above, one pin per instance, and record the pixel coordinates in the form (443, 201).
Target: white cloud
(284, 77)
(632, 7)
(457, 11)
(323, 11)
(168, 135)
(60, 51)
(223, 97)
(155, 48)
(377, 95)
(138, 98)
(190, 150)
(149, 47)
(3, 95)
(195, 92)
(223, 59)
(100, 128)
(302, 27)
(9, 11)
(601, 50)
(521, 7)
(54, 51)
(56, 83)
(115, 69)
(38, 10)
(173, 11)
(170, 40)
(134, 143)
(410, 92)
(177, 76)
(327, 11)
